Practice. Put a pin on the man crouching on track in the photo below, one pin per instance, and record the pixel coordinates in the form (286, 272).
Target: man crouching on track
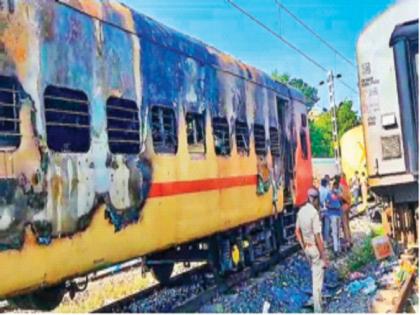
(308, 233)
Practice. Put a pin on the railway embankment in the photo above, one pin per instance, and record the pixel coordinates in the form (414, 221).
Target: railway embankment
(353, 282)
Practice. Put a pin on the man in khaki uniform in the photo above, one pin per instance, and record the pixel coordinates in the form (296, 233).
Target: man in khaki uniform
(308, 233)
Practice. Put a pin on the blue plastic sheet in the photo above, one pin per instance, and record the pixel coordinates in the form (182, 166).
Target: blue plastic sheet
(365, 286)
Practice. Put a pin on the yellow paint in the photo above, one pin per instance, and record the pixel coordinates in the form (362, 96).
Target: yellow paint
(165, 221)
(353, 152)
(125, 13)
(236, 255)
(93, 8)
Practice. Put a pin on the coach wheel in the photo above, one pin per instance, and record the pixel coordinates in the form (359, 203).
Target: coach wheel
(162, 272)
(43, 300)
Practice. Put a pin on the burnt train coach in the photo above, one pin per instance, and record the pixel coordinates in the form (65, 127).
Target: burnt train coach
(122, 138)
(387, 53)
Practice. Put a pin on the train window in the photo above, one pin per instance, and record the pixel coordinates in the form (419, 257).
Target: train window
(164, 130)
(9, 114)
(196, 132)
(260, 140)
(221, 136)
(123, 126)
(67, 119)
(275, 144)
(242, 137)
(304, 121)
(304, 143)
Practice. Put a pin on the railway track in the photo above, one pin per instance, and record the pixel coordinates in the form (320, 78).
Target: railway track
(182, 279)
(209, 288)
(204, 288)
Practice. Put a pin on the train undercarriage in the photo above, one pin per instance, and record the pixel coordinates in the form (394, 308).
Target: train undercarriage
(226, 252)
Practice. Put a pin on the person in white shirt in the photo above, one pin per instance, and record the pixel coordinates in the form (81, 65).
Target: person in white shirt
(308, 234)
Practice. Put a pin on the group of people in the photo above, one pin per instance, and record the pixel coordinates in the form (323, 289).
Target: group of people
(335, 203)
(320, 222)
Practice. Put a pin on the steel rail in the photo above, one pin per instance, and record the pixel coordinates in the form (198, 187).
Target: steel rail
(180, 279)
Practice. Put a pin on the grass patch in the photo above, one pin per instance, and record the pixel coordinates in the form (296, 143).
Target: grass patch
(361, 255)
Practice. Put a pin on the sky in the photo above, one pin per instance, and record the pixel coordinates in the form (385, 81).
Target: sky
(217, 23)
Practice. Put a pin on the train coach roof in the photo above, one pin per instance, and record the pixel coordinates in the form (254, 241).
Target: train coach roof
(119, 15)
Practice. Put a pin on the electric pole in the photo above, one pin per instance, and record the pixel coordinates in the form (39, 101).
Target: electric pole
(331, 93)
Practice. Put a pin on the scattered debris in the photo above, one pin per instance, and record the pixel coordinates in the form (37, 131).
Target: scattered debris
(356, 275)
(396, 279)
(365, 286)
(382, 247)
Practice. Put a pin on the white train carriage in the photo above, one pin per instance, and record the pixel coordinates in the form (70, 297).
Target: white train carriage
(387, 53)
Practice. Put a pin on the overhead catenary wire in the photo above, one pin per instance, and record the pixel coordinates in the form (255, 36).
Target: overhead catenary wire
(285, 41)
(310, 30)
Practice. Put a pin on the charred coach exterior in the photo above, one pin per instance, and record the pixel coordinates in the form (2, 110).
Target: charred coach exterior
(388, 75)
(120, 138)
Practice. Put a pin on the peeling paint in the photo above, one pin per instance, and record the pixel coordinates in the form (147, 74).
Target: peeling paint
(109, 51)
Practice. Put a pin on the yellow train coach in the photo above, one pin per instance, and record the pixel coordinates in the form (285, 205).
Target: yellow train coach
(122, 138)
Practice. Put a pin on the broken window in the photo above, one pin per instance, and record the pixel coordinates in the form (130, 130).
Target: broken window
(304, 143)
(242, 137)
(221, 136)
(123, 126)
(67, 120)
(164, 130)
(196, 132)
(304, 121)
(303, 136)
(9, 114)
(275, 145)
(260, 140)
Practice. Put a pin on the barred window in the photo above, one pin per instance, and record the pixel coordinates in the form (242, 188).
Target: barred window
(275, 144)
(123, 126)
(9, 114)
(67, 119)
(221, 136)
(164, 130)
(303, 137)
(196, 132)
(242, 137)
(304, 121)
(260, 140)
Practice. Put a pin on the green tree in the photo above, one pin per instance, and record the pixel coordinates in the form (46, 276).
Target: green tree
(321, 136)
(346, 117)
(321, 128)
(310, 93)
(282, 78)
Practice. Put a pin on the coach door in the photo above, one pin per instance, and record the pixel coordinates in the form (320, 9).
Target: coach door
(287, 157)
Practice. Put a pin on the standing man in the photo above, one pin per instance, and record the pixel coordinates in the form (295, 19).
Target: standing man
(346, 200)
(308, 233)
(323, 194)
(334, 211)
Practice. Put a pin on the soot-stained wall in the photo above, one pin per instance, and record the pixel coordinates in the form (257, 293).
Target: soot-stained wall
(105, 49)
